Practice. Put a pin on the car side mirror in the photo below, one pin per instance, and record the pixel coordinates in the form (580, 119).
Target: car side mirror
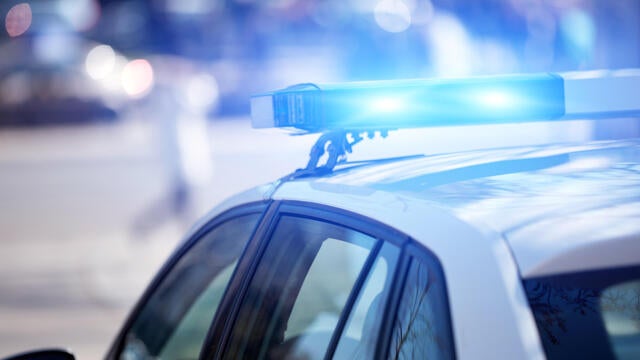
(48, 354)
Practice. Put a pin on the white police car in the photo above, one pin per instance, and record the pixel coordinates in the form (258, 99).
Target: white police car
(499, 254)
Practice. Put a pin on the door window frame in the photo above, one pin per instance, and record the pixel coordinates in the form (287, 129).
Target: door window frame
(256, 208)
(412, 251)
(271, 211)
(219, 334)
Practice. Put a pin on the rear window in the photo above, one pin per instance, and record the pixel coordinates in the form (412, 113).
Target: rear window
(593, 315)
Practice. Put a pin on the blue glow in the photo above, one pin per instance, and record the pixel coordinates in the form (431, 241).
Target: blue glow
(496, 99)
(417, 103)
(387, 104)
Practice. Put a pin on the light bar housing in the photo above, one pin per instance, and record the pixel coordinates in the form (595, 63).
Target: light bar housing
(388, 105)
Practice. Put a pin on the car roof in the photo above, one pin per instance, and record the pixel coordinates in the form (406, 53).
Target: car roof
(560, 208)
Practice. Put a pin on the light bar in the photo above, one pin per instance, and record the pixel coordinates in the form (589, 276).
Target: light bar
(391, 105)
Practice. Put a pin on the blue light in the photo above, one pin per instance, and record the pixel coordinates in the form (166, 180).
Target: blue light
(391, 105)
(387, 104)
(496, 99)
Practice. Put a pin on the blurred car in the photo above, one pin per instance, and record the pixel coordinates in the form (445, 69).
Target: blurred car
(51, 79)
(511, 253)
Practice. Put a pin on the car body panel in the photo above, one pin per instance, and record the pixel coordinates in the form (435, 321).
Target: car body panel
(254, 195)
(493, 218)
(521, 193)
(474, 309)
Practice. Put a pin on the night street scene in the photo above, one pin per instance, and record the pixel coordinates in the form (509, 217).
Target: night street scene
(123, 123)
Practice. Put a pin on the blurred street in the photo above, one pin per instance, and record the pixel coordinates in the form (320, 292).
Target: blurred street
(72, 262)
(60, 224)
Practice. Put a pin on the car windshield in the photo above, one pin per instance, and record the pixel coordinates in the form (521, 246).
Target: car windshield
(593, 314)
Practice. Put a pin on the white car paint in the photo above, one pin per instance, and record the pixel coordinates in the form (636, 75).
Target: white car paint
(493, 218)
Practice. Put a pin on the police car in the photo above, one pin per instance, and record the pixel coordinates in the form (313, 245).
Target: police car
(530, 252)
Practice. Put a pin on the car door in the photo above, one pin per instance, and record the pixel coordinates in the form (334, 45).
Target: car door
(319, 289)
(296, 281)
(173, 317)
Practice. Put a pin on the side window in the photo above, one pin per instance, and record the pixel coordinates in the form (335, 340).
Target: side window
(588, 314)
(301, 286)
(422, 327)
(174, 321)
(359, 337)
(620, 308)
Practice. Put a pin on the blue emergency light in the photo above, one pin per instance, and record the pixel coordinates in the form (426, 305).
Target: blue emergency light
(344, 112)
(411, 103)
(388, 105)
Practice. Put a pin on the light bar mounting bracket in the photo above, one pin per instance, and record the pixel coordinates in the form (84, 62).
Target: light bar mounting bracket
(336, 145)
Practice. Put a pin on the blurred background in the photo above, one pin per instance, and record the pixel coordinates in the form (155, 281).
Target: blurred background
(122, 122)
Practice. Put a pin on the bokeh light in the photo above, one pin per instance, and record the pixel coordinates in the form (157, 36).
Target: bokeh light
(80, 14)
(112, 82)
(137, 78)
(18, 19)
(100, 62)
(393, 15)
